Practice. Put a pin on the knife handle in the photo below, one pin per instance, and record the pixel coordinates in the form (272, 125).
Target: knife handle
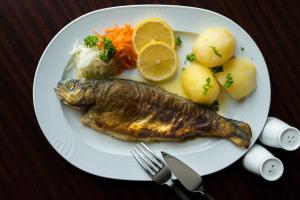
(208, 196)
(179, 191)
(185, 194)
(205, 194)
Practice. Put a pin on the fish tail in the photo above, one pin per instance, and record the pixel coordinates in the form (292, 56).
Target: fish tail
(241, 133)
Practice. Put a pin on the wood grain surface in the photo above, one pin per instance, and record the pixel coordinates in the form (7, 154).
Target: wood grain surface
(31, 169)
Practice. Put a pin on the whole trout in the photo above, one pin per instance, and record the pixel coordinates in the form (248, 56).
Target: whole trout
(132, 111)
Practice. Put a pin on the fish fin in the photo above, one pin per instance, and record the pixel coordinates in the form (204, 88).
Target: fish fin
(241, 134)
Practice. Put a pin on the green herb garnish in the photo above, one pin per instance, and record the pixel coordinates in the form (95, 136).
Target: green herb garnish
(108, 50)
(207, 86)
(90, 41)
(190, 58)
(217, 69)
(242, 48)
(178, 41)
(215, 106)
(229, 81)
(183, 69)
(215, 51)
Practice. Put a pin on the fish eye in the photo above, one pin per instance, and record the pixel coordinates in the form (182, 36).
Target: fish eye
(70, 85)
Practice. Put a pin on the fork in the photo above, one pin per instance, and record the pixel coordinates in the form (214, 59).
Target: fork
(157, 170)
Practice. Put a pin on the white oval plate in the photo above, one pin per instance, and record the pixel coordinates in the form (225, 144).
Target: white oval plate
(105, 156)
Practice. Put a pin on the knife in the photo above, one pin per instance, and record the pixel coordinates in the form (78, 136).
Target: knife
(190, 179)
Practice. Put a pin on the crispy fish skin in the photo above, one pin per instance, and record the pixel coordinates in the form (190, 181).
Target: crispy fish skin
(131, 110)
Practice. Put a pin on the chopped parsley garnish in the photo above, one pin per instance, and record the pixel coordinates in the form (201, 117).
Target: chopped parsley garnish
(217, 69)
(242, 48)
(215, 51)
(108, 50)
(178, 41)
(229, 81)
(90, 41)
(215, 105)
(190, 58)
(183, 69)
(206, 86)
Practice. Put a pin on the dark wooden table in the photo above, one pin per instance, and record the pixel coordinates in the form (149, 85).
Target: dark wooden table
(31, 169)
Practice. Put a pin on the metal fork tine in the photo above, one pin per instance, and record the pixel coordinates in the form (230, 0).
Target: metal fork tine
(141, 154)
(142, 163)
(154, 155)
(154, 162)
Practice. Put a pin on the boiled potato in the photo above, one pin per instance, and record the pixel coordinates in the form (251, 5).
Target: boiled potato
(199, 84)
(243, 73)
(214, 46)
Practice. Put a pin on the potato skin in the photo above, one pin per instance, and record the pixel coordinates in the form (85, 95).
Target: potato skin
(193, 78)
(243, 73)
(216, 38)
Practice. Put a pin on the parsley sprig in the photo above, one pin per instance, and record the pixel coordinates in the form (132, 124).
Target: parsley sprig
(217, 69)
(229, 81)
(206, 86)
(178, 41)
(215, 106)
(91, 41)
(216, 51)
(190, 58)
(108, 50)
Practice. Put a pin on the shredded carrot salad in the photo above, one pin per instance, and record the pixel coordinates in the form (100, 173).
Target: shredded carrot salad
(121, 38)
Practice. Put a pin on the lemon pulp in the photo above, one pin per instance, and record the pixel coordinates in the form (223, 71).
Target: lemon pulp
(152, 29)
(157, 61)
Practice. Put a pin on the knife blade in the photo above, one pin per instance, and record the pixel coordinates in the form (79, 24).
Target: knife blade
(188, 177)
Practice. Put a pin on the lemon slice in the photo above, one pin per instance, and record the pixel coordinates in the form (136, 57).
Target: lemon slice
(152, 29)
(157, 61)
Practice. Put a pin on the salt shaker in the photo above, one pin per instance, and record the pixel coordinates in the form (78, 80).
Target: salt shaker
(279, 134)
(260, 161)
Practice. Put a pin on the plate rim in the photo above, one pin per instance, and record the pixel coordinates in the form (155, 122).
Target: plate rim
(139, 6)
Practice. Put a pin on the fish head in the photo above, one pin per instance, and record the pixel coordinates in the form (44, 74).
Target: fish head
(77, 93)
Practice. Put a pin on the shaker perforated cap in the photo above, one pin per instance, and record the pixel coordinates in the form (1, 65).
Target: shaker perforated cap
(279, 134)
(271, 169)
(290, 139)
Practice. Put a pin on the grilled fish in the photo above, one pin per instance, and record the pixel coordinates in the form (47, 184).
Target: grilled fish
(132, 111)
